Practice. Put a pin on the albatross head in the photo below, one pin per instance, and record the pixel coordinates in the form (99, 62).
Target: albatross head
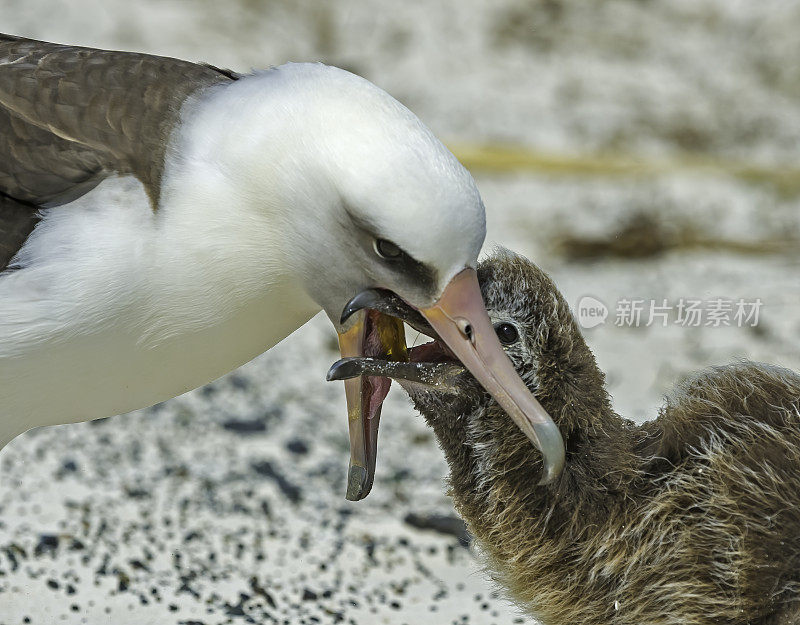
(380, 222)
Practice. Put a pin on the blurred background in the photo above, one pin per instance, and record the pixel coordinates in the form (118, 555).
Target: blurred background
(637, 150)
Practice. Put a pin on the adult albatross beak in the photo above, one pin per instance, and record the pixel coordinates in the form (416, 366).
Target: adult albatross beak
(371, 333)
(460, 319)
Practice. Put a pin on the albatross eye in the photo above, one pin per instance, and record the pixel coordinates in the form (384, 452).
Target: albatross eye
(507, 333)
(387, 249)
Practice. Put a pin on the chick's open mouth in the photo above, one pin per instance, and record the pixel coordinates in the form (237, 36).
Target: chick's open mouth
(432, 351)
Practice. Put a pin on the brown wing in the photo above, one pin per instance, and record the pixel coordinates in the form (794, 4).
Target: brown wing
(70, 116)
(16, 223)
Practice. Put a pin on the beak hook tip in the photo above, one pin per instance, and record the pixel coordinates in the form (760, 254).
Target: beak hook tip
(346, 314)
(356, 483)
(360, 301)
(552, 469)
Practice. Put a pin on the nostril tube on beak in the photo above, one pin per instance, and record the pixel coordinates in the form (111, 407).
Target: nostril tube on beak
(465, 328)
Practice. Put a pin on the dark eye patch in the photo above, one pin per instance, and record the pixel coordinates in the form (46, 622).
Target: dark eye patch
(425, 277)
(507, 333)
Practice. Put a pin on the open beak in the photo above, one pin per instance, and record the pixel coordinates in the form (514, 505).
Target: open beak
(371, 334)
(460, 320)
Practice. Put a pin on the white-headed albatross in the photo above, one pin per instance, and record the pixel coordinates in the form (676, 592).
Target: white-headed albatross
(163, 222)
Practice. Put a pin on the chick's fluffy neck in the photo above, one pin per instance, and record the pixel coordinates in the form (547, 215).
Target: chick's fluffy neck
(494, 478)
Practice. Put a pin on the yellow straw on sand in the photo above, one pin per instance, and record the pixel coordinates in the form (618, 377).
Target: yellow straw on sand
(509, 158)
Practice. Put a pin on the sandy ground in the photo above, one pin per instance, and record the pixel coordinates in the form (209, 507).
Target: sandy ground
(226, 505)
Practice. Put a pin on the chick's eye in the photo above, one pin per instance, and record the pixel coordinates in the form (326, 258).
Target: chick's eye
(507, 333)
(387, 249)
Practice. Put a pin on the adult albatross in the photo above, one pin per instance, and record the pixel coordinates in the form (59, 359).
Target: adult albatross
(163, 222)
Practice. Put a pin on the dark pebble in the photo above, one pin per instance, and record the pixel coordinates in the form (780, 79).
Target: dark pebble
(69, 466)
(265, 468)
(309, 595)
(137, 493)
(48, 543)
(442, 523)
(260, 590)
(297, 446)
(245, 426)
(235, 610)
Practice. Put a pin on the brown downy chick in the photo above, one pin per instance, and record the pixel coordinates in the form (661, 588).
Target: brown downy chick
(691, 518)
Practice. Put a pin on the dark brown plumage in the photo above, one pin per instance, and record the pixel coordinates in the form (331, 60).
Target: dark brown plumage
(692, 518)
(17, 220)
(71, 116)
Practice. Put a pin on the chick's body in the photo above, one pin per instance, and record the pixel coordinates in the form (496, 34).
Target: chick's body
(691, 518)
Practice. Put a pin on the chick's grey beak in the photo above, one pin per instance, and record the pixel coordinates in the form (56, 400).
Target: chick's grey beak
(461, 321)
